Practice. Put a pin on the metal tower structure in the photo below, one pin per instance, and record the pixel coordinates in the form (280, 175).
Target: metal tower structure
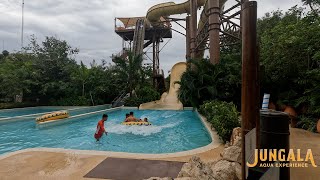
(137, 34)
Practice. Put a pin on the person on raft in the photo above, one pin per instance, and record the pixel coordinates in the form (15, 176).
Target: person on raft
(131, 118)
(125, 119)
(100, 127)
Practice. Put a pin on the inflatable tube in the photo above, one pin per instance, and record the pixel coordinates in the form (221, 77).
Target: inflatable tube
(136, 123)
(53, 116)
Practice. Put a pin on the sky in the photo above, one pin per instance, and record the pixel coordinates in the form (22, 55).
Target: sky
(89, 25)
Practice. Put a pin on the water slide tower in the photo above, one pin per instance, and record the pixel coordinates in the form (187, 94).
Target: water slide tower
(137, 34)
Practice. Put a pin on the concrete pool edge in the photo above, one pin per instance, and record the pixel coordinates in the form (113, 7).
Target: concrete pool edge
(116, 154)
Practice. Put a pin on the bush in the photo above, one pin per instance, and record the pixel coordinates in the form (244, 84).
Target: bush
(308, 123)
(71, 101)
(143, 95)
(133, 101)
(222, 115)
(206, 81)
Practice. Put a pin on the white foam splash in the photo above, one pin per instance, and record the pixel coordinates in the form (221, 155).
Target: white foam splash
(138, 130)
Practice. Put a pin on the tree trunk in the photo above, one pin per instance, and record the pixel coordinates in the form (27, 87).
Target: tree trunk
(83, 89)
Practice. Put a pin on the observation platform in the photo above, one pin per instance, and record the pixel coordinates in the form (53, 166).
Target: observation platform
(125, 28)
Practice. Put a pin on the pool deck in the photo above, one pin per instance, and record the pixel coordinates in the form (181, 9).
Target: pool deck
(67, 165)
(74, 164)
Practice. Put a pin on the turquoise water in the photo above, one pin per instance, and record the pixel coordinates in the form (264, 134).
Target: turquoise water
(26, 111)
(171, 131)
(45, 109)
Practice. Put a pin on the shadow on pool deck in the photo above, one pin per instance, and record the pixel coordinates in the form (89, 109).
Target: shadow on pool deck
(134, 169)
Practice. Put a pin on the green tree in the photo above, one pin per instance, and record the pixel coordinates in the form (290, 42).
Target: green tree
(206, 81)
(5, 53)
(83, 74)
(17, 75)
(313, 4)
(289, 49)
(130, 70)
(55, 63)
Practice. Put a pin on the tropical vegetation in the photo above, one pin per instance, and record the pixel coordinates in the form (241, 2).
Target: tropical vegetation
(223, 116)
(205, 81)
(47, 74)
(289, 56)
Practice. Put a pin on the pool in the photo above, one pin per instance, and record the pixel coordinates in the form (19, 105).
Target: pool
(27, 111)
(171, 131)
(33, 112)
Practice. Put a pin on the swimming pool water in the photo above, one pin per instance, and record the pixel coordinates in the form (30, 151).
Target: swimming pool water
(27, 111)
(171, 131)
(73, 110)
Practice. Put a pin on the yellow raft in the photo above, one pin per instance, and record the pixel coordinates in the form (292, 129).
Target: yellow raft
(52, 116)
(136, 123)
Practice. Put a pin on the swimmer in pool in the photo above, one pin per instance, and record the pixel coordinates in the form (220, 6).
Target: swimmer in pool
(100, 127)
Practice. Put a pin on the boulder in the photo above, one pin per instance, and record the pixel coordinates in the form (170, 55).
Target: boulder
(232, 153)
(236, 132)
(237, 167)
(158, 178)
(211, 163)
(185, 178)
(224, 169)
(237, 141)
(227, 144)
(195, 168)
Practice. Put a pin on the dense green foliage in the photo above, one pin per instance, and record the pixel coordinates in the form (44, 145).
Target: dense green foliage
(223, 116)
(130, 70)
(290, 55)
(48, 74)
(308, 123)
(290, 65)
(142, 95)
(205, 81)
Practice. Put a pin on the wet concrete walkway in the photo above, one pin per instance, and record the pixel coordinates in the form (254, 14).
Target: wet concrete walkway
(304, 140)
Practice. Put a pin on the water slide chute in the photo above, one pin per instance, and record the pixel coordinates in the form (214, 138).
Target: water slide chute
(155, 13)
(169, 100)
(169, 8)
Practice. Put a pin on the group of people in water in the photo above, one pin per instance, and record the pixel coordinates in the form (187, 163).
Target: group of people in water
(130, 118)
(100, 126)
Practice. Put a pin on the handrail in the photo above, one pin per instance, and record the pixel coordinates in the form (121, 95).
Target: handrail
(118, 99)
(115, 99)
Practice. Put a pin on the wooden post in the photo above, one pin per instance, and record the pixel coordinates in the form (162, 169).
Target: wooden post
(214, 30)
(154, 60)
(193, 27)
(250, 101)
(188, 38)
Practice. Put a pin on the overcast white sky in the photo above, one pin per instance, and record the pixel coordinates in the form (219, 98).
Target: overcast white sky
(89, 24)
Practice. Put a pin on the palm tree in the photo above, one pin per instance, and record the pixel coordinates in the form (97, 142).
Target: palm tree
(205, 81)
(198, 82)
(83, 75)
(130, 70)
(311, 3)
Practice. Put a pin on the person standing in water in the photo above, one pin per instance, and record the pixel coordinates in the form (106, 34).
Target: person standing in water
(100, 127)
